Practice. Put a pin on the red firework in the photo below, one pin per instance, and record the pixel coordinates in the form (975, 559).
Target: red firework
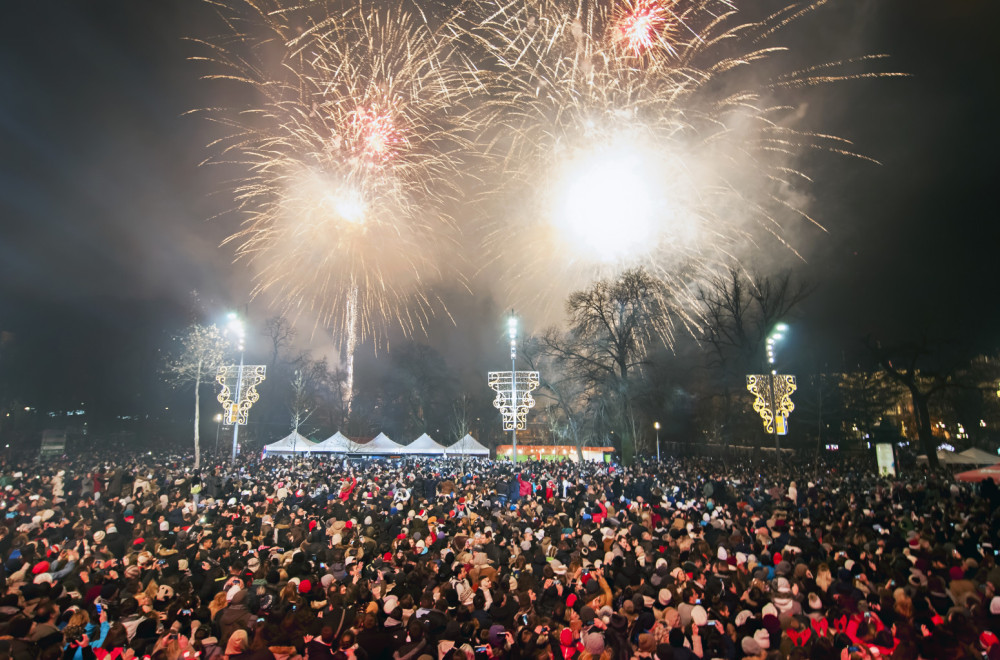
(376, 135)
(642, 23)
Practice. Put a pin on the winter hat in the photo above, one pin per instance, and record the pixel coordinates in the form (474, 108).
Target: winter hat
(995, 605)
(769, 609)
(814, 602)
(750, 646)
(593, 643)
(742, 617)
(698, 615)
(305, 586)
(40, 567)
(497, 635)
(664, 597)
(763, 638)
(43, 578)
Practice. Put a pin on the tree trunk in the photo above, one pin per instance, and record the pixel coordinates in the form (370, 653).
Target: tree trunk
(924, 431)
(197, 417)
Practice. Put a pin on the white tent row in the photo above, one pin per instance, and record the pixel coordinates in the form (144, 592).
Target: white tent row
(380, 445)
(293, 443)
(467, 446)
(946, 457)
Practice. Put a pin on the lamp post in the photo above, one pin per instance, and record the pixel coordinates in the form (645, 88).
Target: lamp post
(777, 334)
(218, 428)
(512, 332)
(236, 402)
(656, 425)
(239, 330)
(513, 390)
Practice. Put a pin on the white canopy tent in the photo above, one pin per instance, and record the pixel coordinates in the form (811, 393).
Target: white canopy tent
(293, 443)
(338, 443)
(946, 457)
(468, 446)
(380, 445)
(981, 457)
(424, 445)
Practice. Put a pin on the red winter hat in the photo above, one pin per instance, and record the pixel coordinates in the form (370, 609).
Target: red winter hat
(305, 587)
(348, 524)
(139, 541)
(566, 637)
(777, 558)
(988, 639)
(40, 567)
(571, 600)
(312, 525)
(387, 557)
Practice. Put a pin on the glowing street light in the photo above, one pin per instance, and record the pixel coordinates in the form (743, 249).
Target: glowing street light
(773, 391)
(513, 390)
(236, 404)
(656, 425)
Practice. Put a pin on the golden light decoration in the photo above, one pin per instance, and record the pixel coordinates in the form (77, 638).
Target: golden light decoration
(772, 396)
(244, 378)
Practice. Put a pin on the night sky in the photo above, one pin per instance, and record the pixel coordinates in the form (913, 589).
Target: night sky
(107, 218)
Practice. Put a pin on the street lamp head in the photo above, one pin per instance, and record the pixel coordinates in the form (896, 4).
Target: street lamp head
(656, 425)
(781, 327)
(218, 417)
(236, 327)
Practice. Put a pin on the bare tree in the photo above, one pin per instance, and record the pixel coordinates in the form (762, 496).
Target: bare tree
(280, 331)
(303, 393)
(200, 351)
(612, 327)
(739, 309)
(902, 363)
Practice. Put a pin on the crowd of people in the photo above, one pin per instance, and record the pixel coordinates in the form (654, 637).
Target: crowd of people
(433, 559)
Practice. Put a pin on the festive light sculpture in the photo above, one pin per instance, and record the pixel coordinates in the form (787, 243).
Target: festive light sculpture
(513, 396)
(513, 390)
(773, 399)
(248, 377)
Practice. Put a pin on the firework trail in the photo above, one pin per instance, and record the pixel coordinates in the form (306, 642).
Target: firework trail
(651, 133)
(348, 145)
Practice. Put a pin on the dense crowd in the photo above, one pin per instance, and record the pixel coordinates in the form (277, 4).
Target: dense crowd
(475, 560)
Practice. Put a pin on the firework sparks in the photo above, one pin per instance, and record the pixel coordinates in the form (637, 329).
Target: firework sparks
(350, 157)
(642, 24)
(659, 133)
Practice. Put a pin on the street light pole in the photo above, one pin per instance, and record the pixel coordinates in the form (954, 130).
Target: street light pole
(236, 426)
(772, 340)
(218, 428)
(656, 425)
(512, 332)
(236, 324)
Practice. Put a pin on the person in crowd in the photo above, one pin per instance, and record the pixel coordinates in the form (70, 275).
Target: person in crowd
(108, 558)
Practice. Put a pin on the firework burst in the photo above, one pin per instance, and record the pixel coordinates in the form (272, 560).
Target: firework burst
(659, 133)
(349, 157)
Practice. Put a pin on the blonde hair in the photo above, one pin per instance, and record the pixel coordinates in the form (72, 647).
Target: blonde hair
(218, 603)
(79, 618)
